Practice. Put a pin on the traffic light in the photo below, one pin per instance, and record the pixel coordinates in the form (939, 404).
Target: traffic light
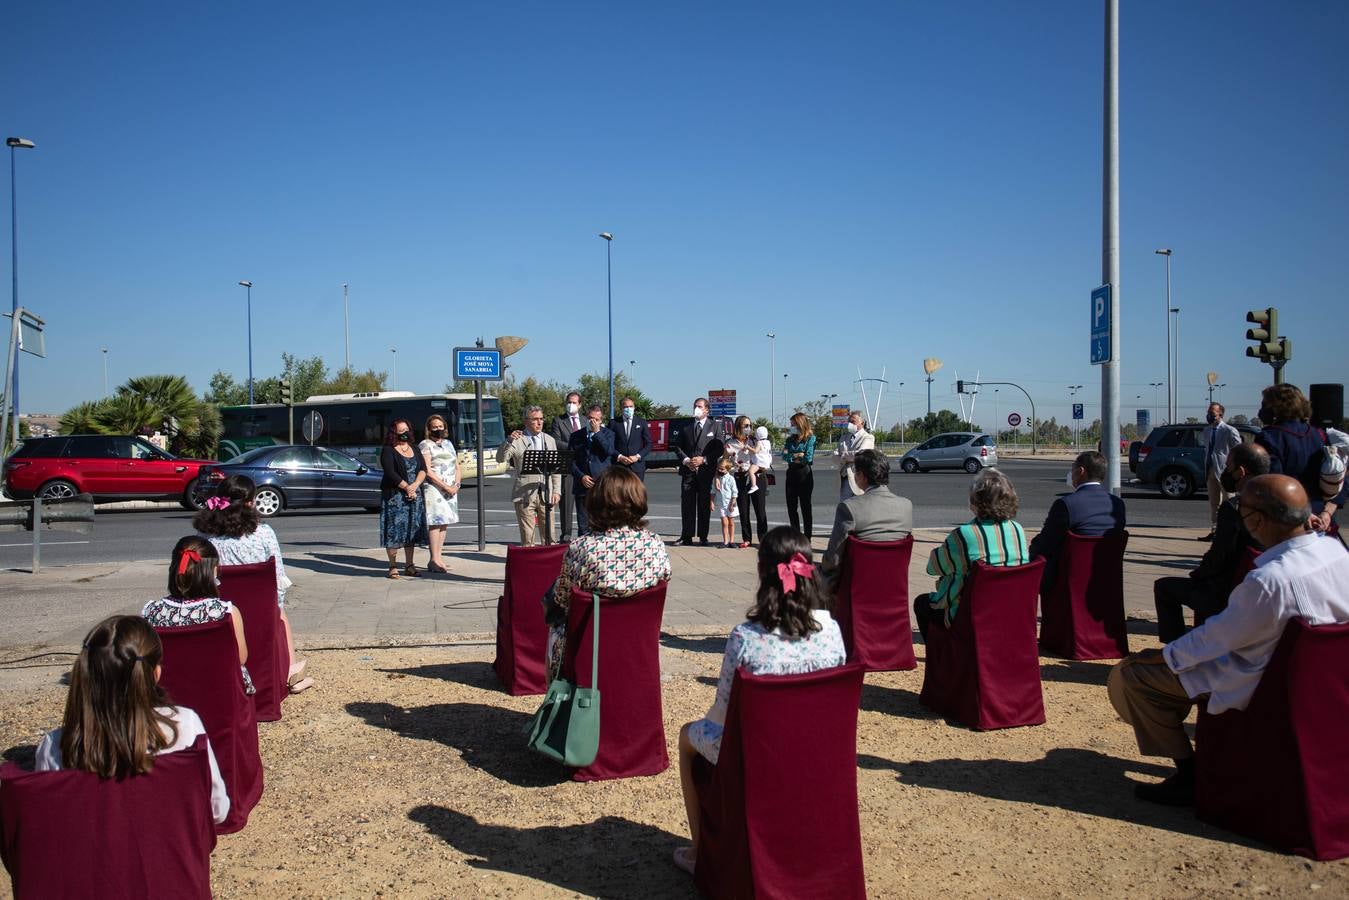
(960, 386)
(1266, 333)
(285, 392)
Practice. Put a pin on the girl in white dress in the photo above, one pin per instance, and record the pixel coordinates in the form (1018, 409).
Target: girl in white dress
(441, 495)
(724, 495)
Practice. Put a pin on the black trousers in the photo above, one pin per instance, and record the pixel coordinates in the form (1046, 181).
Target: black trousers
(800, 486)
(566, 505)
(757, 500)
(1171, 597)
(695, 507)
(924, 613)
(582, 517)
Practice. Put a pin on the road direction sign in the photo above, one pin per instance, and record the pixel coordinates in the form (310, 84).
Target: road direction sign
(1077, 410)
(721, 404)
(841, 412)
(477, 364)
(1014, 419)
(312, 426)
(1101, 319)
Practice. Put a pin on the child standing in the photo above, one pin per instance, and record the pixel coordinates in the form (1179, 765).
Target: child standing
(724, 496)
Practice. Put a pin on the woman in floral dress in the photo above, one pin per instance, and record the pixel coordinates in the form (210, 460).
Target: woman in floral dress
(441, 496)
(618, 558)
(402, 515)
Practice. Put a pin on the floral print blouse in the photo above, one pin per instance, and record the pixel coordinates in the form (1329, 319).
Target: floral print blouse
(762, 652)
(254, 548)
(170, 612)
(619, 562)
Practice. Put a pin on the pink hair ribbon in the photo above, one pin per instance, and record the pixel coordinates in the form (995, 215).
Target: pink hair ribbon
(217, 503)
(795, 566)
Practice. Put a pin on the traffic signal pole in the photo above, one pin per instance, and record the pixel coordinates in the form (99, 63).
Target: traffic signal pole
(1110, 246)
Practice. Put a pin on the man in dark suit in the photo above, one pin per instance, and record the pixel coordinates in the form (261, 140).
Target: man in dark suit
(1090, 510)
(1207, 587)
(698, 448)
(564, 426)
(632, 442)
(875, 514)
(592, 451)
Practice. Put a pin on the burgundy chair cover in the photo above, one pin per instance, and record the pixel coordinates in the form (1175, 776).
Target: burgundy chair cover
(252, 588)
(632, 723)
(201, 672)
(871, 604)
(522, 635)
(984, 671)
(779, 809)
(1083, 616)
(73, 834)
(1276, 771)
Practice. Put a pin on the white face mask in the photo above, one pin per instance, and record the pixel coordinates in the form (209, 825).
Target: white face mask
(699, 413)
(852, 428)
(793, 431)
(1069, 479)
(627, 412)
(573, 408)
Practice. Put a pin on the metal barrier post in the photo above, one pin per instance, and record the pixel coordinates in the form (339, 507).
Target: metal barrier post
(37, 534)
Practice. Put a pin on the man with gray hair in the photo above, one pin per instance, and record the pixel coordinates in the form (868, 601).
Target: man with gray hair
(1301, 573)
(533, 499)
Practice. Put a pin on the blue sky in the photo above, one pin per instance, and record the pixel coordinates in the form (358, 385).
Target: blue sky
(876, 182)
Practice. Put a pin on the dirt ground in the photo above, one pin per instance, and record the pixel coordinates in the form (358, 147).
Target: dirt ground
(404, 774)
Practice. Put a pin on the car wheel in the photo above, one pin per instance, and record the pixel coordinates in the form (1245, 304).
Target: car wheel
(1176, 484)
(972, 465)
(194, 497)
(909, 465)
(57, 489)
(268, 501)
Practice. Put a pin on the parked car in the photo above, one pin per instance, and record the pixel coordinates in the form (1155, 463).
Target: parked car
(966, 450)
(298, 476)
(111, 467)
(1172, 457)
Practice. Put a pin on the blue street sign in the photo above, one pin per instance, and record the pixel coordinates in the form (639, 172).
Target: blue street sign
(477, 364)
(1100, 325)
(1077, 410)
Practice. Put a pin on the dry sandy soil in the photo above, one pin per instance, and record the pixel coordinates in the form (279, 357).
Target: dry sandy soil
(403, 774)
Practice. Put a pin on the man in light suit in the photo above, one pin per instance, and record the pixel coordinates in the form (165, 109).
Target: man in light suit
(698, 448)
(632, 442)
(592, 451)
(533, 500)
(857, 440)
(1090, 510)
(564, 426)
(1219, 439)
(875, 514)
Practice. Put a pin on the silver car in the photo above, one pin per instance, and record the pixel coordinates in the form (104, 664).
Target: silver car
(954, 450)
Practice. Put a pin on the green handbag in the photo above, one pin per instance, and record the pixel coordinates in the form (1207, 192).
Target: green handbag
(567, 726)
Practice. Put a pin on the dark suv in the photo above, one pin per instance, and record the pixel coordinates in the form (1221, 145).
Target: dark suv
(1172, 458)
(111, 467)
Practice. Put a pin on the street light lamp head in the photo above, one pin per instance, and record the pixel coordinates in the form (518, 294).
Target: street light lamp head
(247, 284)
(606, 235)
(771, 334)
(23, 143)
(1165, 251)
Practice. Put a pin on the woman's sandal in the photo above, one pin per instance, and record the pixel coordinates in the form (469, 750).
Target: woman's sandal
(684, 859)
(437, 567)
(296, 669)
(301, 686)
(393, 572)
(411, 571)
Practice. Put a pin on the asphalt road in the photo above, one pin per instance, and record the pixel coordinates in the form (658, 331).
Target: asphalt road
(939, 500)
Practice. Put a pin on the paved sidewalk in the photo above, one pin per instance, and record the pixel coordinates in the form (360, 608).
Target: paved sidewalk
(344, 598)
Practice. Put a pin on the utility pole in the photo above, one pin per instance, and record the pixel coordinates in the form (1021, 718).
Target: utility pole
(1110, 246)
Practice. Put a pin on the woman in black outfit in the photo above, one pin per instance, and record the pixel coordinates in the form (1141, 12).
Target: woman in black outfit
(800, 455)
(741, 448)
(402, 517)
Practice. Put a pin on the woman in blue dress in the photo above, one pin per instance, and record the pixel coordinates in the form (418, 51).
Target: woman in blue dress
(402, 516)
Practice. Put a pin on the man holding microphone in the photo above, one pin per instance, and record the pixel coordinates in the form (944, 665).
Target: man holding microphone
(533, 499)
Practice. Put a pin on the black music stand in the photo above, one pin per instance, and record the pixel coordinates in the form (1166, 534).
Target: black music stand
(546, 463)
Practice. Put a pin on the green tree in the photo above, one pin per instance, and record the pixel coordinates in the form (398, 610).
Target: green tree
(170, 396)
(126, 413)
(81, 419)
(306, 375)
(348, 381)
(223, 390)
(934, 423)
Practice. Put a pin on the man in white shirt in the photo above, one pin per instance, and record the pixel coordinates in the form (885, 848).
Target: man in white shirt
(533, 499)
(1219, 439)
(857, 440)
(1300, 574)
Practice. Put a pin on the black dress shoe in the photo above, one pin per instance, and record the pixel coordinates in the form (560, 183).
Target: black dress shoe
(1178, 790)
(686, 542)
(1206, 537)
(704, 541)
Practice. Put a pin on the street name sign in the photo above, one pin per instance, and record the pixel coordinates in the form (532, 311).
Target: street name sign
(477, 364)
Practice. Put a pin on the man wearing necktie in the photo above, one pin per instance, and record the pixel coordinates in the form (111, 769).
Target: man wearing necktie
(632, 442)
(531, 496)
(592, 451)
(564, 426)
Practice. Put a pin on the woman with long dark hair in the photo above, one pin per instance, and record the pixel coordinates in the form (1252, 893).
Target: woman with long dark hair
(402, 515)
(788, 631)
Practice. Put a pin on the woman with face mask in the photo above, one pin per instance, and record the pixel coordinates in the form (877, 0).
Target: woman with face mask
(742, 448)
(442, 494)
(402, 515)
(799, 452)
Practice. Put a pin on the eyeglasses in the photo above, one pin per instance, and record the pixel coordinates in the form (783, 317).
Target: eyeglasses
(535, 418)
(1245, 512)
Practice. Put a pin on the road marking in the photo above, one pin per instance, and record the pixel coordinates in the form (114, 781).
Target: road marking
(48, 543)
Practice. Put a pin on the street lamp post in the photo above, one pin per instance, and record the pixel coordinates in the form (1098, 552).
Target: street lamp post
(997, 425)
(1170, 374)
(828, 404)
(1175, 361)
(248, 287)
(346, 327)
(772, 376)
(632, 369)
(14, 143)
(394, 351)
(105, 371)
(785, 405)
(901, 411)
(609, 279)
(1154, 385)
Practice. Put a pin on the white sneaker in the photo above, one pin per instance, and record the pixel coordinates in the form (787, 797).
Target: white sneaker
(752, 490)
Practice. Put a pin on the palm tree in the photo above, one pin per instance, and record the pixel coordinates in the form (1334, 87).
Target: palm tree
(126, 413)
(82, 419)
(199, 434)
(170, 395)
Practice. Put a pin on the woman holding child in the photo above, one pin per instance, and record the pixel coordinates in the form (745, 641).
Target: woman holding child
(751, 455)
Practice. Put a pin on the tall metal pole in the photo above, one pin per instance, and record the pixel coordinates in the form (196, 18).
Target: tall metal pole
(14, 143)
(929, 395)
(1175, 356)
(609, 277)
(482, 500)
(901, 412)
(1110, 245)
(105, 371)
(772, 377)
(394, 351)
(346, 325)
(248, 287)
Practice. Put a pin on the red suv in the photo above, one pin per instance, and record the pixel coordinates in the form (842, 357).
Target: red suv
(111, 467)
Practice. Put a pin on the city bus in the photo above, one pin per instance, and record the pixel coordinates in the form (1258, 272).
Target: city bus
(356, 424)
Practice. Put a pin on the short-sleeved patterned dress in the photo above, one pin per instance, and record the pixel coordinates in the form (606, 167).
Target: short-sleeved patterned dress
(440, 509)
(619, 562)
(762, 652)
(170, 612)
(257, 547)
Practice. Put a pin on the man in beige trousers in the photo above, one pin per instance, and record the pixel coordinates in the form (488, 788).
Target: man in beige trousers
(533, 499)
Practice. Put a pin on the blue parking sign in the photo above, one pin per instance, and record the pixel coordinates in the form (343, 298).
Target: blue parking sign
(477, 364)
(1101, 320)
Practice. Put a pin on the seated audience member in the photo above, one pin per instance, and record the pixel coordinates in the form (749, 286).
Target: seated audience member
(1206, 588)
(993, 537)
(618, 557)
(874, 514)
(117, 718)
(193, 598)
(1090, 510)
(789, 632)
(1300, 574)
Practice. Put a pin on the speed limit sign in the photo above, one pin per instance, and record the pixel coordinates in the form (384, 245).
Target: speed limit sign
(1014, 419)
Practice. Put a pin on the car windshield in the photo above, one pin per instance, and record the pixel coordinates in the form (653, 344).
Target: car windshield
(252, 456)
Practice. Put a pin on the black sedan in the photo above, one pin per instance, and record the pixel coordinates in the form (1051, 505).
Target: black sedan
(297, 476)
